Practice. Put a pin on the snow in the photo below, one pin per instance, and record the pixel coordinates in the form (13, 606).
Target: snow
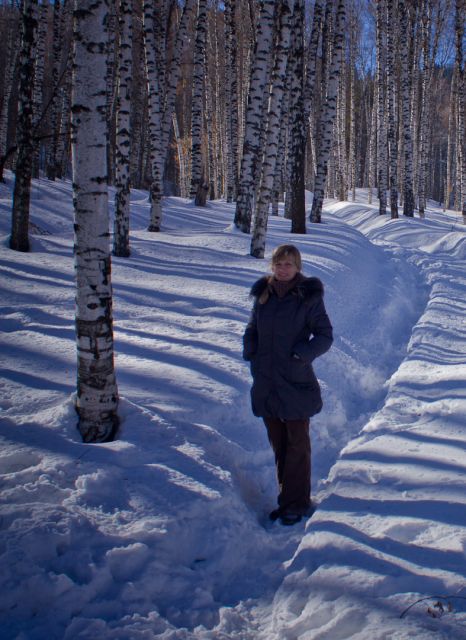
(164, 532)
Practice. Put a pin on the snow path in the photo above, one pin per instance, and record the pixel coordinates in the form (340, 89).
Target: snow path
(164, 532)
(390, 527)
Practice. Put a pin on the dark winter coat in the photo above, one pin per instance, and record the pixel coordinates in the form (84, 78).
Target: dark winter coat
(282, 338)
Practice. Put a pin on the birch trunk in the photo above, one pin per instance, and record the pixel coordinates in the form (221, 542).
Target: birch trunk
(273, 132)
(173, 74)
(450, 143)
(297, 127)
(408, 195)
(97, 395)
(341, 174)
(257, 87)
(63, 148)
(123, 132)
(311, 65)
(352, 109)
(19, 239)
(182, 161)
(391, 106)
(231, 99)
(37, 93)
(281, 164)
(382, 155)
(461, 108)
(310, 79)
(54, 124)
(197, 113)
(157, 150)
(12, 54)
(212, 118)
(328, 115)
(372, 146)
(161, 100)
(429, 54)
(111, 75)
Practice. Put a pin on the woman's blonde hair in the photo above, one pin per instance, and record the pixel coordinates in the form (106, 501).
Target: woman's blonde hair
(287, 251)
(279, 253)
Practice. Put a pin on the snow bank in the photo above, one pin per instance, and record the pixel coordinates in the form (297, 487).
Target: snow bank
(164, 532)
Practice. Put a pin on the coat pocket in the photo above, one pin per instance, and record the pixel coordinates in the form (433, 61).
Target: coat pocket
(301, 372)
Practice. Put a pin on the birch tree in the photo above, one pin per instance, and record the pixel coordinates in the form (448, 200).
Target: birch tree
(111, 79)
(340, 155)
(273, 131)
(123, 133)
(451, 136)
(461, 101)
(19, 239)
(327, 116)
(37, 92)
(297, 128)
(55, 108)
(382, 152)
(12, 52)
(251, 145)
(391, 109)
(231, 99)
(157, 152)
(372, 150)
(97, 394)
(197, 114)
(352, 106)
(161, 90)
(408, 194)
(430, 23)
(310, 79)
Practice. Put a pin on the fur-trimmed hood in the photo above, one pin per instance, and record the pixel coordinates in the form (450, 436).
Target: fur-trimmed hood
(305, 287)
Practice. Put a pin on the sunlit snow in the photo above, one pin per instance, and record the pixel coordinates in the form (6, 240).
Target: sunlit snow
(164, 532)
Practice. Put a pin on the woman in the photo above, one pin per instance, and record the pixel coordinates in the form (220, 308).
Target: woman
(287, 330)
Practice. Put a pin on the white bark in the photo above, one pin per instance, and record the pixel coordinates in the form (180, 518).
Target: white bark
(161, 100)
(429, 54)
(382, 151)
(328, 115)
(450, 144)
(37, 94)
(391, 107)
(56, 51)
(12, 53)
(341, 173)
(157, 150)
(123, 132)
(461, 100)
(352, 109)
(273, 131)
(19, 240)
(182, 160)
(231, 99)
(197, 113)
(257, 87)
(297, 125)
(372, 150)
(408, 195)
(97, 394)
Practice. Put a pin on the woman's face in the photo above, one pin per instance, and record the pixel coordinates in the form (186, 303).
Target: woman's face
(285, 269)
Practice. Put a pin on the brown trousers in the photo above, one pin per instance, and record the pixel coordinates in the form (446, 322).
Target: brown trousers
(291, 445)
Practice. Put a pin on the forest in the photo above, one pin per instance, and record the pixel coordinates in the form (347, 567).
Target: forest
(199, 95)
(153, 154)
(251, 102)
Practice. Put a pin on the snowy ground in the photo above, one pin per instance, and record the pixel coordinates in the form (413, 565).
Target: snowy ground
(163, 533)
